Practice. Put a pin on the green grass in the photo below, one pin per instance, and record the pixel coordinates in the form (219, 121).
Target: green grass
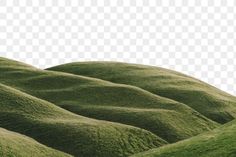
(104, 109)
(208, 100)
(95, 98)
(65, 131)
(16, 145)
(220, 142)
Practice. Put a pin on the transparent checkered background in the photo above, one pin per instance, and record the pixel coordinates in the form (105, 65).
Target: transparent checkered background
(196, 37)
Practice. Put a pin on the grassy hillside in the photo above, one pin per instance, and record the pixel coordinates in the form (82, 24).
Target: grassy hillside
(208, 100)
(14, 145)
(220, 142)
(168, 119)
(65, 131)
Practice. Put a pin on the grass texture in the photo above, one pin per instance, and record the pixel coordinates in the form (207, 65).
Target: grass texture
(16, 145)
(65, 131)
(220, 142)
(104, 109)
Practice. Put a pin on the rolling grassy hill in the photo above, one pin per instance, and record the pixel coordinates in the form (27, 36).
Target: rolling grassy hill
(14, 145)
(168, 119)
(118, 110)
(70, 133)
(207, 100)
(220, 142)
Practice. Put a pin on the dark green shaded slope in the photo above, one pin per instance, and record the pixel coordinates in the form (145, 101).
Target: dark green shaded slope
(16, 145)
(99, 99)
(65, 131)
(220, 142)
(208, 100)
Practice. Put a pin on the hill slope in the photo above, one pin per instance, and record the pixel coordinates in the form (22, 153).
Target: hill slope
(208, 100)
(14, 145)
(220, 142)
(168, 119)
(73, 134)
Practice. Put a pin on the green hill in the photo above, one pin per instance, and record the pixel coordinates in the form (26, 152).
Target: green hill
(208, 100)
(14, 145)
(220, 142)
(118, 110)
(70, 133)
(95, 98)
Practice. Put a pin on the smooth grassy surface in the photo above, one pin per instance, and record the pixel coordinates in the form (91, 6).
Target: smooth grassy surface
(65, 131)
(220, 142)
(168, 119)
(208, 100)
(16, 145)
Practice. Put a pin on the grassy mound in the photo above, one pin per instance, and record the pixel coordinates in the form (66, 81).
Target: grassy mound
(208, 100)
(14, 145)
(168, 119)
(220, 142)
(65, 131)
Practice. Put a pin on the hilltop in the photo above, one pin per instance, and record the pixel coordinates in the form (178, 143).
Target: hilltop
(204, 98)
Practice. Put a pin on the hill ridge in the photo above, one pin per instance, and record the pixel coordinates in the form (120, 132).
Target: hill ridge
(79, 94)
(164, 82)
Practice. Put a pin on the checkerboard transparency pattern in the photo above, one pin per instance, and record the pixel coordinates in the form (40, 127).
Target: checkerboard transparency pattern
(196, 37)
